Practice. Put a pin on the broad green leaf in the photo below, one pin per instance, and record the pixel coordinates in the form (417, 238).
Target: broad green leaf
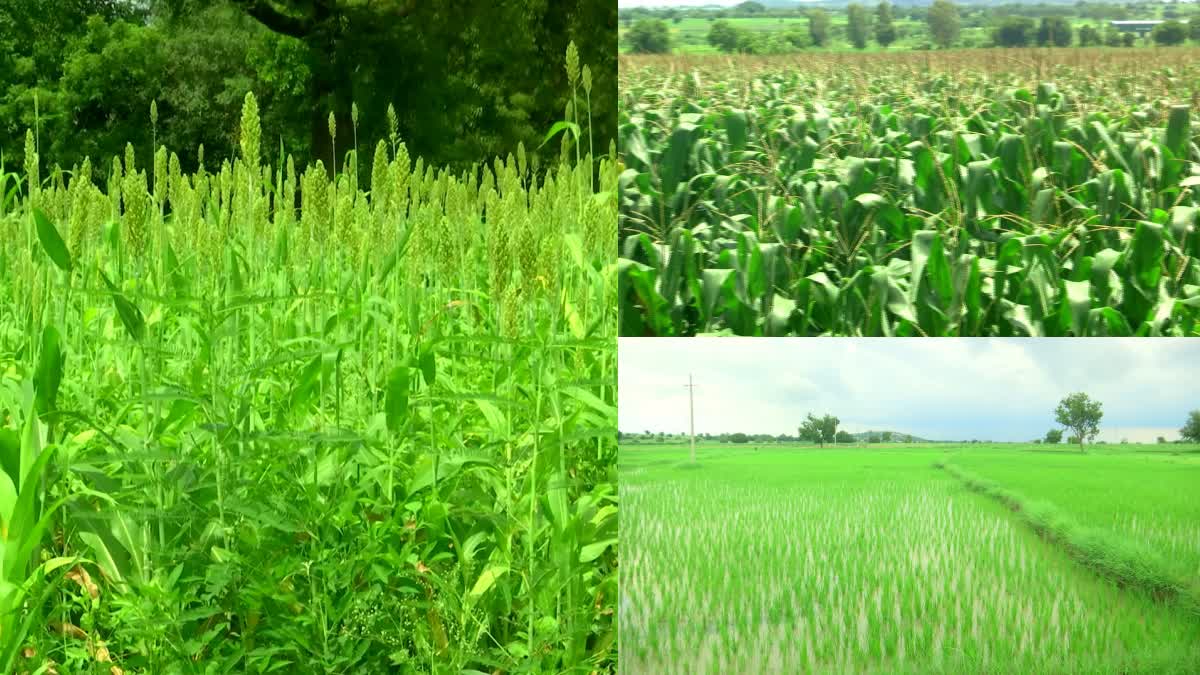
(396, 399)
(592, 551)
(487, 579)
(52, 243)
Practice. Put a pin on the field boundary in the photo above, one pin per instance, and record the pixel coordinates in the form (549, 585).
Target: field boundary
(1128, 563)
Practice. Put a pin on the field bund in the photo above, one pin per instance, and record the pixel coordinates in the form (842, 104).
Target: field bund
(854, 560)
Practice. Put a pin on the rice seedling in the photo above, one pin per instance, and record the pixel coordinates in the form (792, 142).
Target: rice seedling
(256, 419)
(882, 197)
(849, 561)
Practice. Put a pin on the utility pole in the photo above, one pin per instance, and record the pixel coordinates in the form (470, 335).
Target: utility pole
(692, 415)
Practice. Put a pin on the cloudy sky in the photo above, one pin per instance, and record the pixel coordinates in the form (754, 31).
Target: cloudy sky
(941, 389)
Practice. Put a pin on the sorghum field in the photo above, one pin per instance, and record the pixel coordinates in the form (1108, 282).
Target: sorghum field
(374, 433)
(976, 193)
(886, 560)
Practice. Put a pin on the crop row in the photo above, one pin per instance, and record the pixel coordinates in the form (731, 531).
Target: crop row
(865, 203)
(895, 577)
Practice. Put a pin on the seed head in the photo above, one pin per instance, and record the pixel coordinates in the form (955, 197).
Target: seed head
(251, 132)
(572, 64)
(332, 127)
(154, 113)
(354, 114)
(587, 80)
(393, 123)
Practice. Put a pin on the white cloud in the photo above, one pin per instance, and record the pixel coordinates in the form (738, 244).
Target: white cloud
(997, 389)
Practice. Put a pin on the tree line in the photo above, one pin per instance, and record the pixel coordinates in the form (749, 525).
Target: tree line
(469, 80)
(1008, 27)
(1077, 413)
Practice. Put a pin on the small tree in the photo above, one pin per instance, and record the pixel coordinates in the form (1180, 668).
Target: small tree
(1013, 31)
(844, 437)
(944, 23)
(1191, 428)
(1088, 36)
(1080, 414)
(1194, 28)
(649, 36)
(819, 429)
(858, 25)
(724, 36)
(818, 27)
(1054, 30)
(738, 438)
(1170, 33)
(1054, 436)
(885, 28)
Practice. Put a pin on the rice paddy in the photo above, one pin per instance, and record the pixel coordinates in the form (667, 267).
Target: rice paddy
(853, 560)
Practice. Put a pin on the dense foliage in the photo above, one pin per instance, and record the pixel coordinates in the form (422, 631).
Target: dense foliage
(818, 197)
(469, 80)
(371, 434)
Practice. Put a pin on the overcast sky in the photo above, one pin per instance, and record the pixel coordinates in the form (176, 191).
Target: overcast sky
(940, 389)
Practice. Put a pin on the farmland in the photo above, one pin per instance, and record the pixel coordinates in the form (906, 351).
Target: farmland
(253, 419)
(789, 559)
(1001, 193)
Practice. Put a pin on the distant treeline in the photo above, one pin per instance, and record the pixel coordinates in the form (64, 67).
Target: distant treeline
(940, 24)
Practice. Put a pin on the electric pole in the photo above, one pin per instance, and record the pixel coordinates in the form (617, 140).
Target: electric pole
(692, 415)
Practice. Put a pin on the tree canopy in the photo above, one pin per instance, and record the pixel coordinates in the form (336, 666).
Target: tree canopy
(469, 80)
(1079, 413)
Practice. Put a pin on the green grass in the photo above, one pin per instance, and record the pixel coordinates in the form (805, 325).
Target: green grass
(841, 560)
(370, 434)
(1157, 505)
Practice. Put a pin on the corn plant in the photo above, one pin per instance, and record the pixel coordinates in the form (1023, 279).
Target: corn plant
(320, 428)
(786, 199)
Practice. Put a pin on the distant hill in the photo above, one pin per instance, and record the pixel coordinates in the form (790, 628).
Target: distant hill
(896, 437)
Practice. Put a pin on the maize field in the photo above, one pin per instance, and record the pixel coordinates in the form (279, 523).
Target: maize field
(852, 561)
(255, 420)
(892, 197)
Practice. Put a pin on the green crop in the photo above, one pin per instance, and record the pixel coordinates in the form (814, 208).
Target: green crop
(807, 560)
(764, 199)
(254, 419)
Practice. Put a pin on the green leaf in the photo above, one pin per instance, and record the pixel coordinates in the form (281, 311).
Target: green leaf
(396, 401)
(1146, 256)
(487, 579)
(130, 315)
(593, 551)
(53, 244)
(48, 375)
(558, 127)
(428, 363)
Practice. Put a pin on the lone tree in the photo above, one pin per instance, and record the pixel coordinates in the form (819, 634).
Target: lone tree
(944, 23)
(649, 36)
(818, 27)
(1081, 415)
(1054, 436)
(858, 25)
(1170, 33)
(885, 29)
(1191, 429)
(819, 429)
(724, 36)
